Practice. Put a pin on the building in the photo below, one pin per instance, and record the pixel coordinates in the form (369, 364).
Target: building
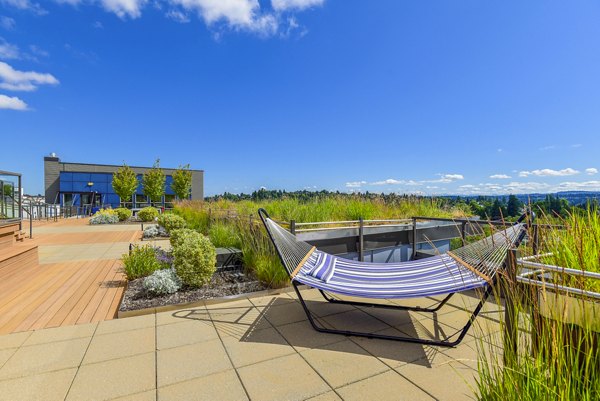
(84, 184)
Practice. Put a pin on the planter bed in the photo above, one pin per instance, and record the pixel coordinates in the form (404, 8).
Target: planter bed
(222, 284)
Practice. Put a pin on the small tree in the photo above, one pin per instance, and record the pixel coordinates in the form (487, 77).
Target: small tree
(513, 208)
(124, 182)
(182, 182)
(154, 182)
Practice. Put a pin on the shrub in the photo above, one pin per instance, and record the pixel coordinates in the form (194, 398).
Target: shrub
(162, 282)
(104, 216)
(123, 213)
(154, 231)
(141, 262)
(171, 222)
(148, 214)
(194, 257)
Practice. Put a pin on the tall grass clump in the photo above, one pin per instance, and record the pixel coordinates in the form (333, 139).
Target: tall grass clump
(236, 224)
(558, 352)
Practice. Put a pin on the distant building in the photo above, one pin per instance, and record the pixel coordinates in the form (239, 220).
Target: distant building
(84, 184)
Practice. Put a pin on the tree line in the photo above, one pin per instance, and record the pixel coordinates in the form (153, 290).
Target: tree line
(125, 182)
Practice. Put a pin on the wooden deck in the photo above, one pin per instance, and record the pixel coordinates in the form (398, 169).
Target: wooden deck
(38, 295)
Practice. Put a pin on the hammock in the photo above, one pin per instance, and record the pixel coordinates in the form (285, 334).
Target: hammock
(473, 266)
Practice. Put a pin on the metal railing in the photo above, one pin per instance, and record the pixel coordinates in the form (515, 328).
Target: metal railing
(11, 198)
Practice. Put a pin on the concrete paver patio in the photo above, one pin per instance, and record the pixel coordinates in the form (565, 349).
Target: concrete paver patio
(258, 348)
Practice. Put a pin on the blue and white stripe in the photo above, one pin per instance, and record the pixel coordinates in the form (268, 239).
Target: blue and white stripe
(425, 277)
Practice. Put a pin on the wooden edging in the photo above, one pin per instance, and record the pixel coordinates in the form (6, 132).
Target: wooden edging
(203, 302)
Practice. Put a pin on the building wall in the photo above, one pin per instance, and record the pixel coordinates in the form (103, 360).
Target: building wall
(61, 177)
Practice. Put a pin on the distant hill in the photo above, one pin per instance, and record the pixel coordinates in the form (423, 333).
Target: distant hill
(573, 197)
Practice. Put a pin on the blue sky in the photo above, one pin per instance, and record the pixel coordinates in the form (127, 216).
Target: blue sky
(386, 96)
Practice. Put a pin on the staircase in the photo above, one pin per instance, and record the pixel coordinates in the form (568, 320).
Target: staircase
(15, 252)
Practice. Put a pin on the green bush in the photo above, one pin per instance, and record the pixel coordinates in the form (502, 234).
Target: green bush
(194, 257)
(148, 213)
(170, 222)
(123, 213)
(141, 262)
(104, 216)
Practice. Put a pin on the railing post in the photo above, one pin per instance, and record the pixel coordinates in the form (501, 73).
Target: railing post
(361, 241)
(293, 226)
(509, 290)
(463, 233)
(536, 239)
(414, 238)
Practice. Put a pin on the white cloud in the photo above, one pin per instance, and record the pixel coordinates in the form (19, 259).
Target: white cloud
(178, 16)
(25, 5)
(546, 172)
(500, 176)
(7, 23)
(446, 178)
(591, 171)
(8, 51)
(14, 80)
(579, 186)
(282, 5)
(125, 8)
(392, 181)
(576, 145)
(355, 184)
(12, 103)
(37, 51)
(549, 147)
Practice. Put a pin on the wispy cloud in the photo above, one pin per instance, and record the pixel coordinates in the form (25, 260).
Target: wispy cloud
(125, 8)
(15, 80)
(25, 5)
(500, 176)
(283, 5)
(8, 51)
(591, 171)
(576, 145)
(547, 172)
(7, 23)
(178, 16)
(549, 147)
(355, 184)
(12, 103)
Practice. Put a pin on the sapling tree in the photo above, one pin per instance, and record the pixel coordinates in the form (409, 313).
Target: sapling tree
(124, 182)
(182, 182)
(154, 182)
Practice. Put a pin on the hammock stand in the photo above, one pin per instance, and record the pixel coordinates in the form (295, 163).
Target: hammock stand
(472, 266)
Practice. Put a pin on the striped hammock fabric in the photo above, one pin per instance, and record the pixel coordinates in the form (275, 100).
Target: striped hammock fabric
(471, 266)
(425, 277)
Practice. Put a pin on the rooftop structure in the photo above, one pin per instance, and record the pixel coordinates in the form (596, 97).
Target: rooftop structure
(85, 184)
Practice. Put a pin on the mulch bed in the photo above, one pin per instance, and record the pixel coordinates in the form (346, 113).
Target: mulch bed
(222, 284)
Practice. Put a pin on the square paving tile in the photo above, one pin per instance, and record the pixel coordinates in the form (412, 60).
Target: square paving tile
(125, 324)
(183, 315)
(115, 378)
(328, 396)
(397, 353)
(385, 386)
(259, 346)
(61, 334)
(44, 358)
(355, 320)
(286, 378)
(45, 386)
(271, 299)
(13, 340)
(238, 321)
(5, 354)
(191, 361)
(149, 395)
(222, 386)
(342, 363)
(184, 333)
(447, 380)
(120, 345)
(284, 313)
(302, 336)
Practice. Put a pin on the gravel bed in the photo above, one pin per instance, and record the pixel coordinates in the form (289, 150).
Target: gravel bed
(222, 284)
